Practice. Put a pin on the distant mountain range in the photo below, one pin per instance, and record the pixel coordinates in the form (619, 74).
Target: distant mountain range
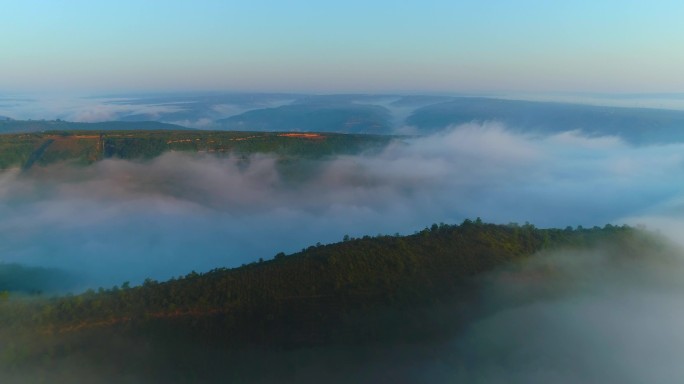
(25, 126)
(636, 125)
(367, 114)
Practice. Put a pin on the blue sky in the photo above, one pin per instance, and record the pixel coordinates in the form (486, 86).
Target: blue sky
(342, 46)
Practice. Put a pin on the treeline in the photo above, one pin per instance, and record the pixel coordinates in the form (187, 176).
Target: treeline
(86, 147)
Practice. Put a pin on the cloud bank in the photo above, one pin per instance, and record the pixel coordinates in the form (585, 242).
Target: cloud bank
(601, 315)
(121, 221)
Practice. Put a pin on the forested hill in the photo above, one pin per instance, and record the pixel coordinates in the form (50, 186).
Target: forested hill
(85, 147)
(359, 291)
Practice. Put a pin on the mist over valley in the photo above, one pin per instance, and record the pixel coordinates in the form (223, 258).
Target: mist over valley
(341, 192)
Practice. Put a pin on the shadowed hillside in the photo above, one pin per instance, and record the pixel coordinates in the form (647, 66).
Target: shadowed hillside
(374, 291)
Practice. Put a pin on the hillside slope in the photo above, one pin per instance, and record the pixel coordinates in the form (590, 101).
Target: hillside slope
(385, 290)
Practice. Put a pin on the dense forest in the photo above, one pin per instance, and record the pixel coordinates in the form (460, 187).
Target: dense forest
(229, 323)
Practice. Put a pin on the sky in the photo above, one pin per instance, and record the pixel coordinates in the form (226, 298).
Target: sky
(341, 46)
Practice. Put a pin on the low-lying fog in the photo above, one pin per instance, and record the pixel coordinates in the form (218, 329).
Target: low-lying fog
(119, 221)
(604, 315)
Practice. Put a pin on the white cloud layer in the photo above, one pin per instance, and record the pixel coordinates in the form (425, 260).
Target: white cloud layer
(120, 220)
